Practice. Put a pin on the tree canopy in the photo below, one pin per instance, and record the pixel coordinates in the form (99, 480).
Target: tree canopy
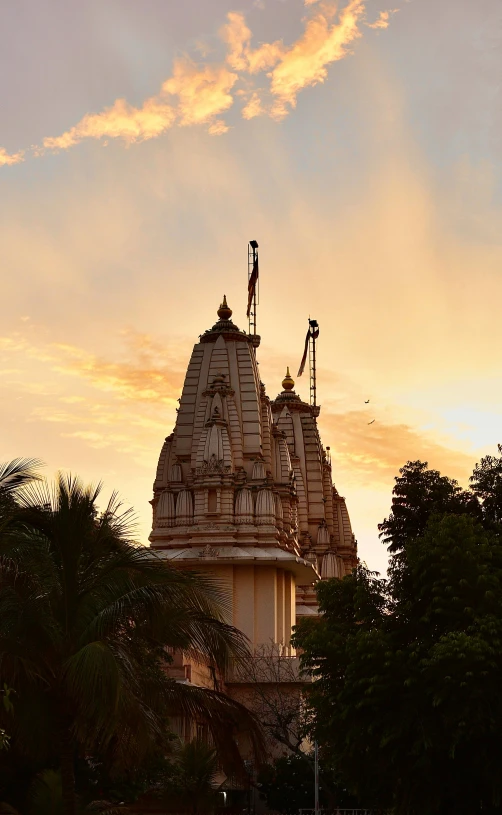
(408, 670)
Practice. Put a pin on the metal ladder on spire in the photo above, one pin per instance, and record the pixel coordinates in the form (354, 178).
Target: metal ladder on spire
(313, 335)
(253, 285)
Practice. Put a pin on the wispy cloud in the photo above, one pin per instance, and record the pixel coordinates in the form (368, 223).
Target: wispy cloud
(383, 19)
(123, 405)
(151, 374)
(373, 454)
(6, 159)
(121, 120)
(199, 93)
(327, 38)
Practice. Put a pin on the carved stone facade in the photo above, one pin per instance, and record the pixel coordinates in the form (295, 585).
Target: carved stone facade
(244, 485)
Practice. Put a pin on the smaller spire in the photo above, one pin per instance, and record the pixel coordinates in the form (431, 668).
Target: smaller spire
(288, 383)
(224, 312)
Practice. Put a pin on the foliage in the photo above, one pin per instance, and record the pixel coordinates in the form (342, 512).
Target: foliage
(46, 794)
(95, 782)
(194, 777)
(418, 494)
(486, 483)
(287, 785)
(87, 620)
(408, 670)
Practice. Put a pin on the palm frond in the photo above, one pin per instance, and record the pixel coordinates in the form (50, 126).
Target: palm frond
(224, 717)
(87, 620)
(92, 679)
(17, 473)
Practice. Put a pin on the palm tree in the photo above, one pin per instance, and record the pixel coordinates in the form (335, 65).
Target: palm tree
(87, 619)
(196, 777)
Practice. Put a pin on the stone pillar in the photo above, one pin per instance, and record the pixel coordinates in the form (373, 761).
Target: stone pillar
(265, 602)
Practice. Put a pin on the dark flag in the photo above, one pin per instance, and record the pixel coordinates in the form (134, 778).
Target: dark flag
(252, 283)
(314, 333)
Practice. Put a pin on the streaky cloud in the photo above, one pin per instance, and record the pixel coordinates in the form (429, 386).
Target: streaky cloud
(121, 120)
(199, 93)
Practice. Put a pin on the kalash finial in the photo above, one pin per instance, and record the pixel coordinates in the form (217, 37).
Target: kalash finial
(288, 383)
(224, 312)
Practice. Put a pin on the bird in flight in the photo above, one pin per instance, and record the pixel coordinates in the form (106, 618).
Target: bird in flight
(371, 421)
(367, 402)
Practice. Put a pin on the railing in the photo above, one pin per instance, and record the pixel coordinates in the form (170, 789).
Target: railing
(339, 812)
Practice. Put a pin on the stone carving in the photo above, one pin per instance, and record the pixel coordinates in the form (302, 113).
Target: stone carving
(330, 566)
(244, 507)
(213, 467)
(175, 472)
(166, 509)
(279, 513)
(213, 447)
(184, 508)
(209, 552)
(259, 473)
(265, 508)
(323, 534)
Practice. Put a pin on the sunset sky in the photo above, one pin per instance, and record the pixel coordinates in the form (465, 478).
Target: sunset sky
(144, 142)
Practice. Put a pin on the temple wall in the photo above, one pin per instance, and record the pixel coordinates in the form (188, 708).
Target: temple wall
(263, 601)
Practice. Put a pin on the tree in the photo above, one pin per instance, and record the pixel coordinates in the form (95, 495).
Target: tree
(87, 619)
(419, 493)
(273, 688)
(287, 785)
(406, 698)
(486, 484)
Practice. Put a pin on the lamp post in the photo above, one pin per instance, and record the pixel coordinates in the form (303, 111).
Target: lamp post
(316, 778)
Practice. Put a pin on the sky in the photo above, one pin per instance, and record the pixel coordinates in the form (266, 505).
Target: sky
(143, 143)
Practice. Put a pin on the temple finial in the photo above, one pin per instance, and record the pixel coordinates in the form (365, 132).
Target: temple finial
(288, 383)
(224, 312)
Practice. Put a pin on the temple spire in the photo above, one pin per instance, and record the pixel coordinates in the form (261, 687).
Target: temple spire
(288, 383)
(224, 312)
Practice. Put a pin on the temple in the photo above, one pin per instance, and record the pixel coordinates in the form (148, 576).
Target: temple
(244, 489)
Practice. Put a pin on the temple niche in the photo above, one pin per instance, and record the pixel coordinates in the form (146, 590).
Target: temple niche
(244, 489)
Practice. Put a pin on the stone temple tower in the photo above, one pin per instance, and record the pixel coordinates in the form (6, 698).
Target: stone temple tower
(324, 532)
(243, 489)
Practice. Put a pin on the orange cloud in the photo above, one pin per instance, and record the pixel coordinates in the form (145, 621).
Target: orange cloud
(322, 43)
(153, 374)
(253, 108)
(120, 121)
(199, 93)
(374, 453)
(6, 159)
(146, 379)
(203, 93)
(125, 405)
(241, 57)
(383, 19)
